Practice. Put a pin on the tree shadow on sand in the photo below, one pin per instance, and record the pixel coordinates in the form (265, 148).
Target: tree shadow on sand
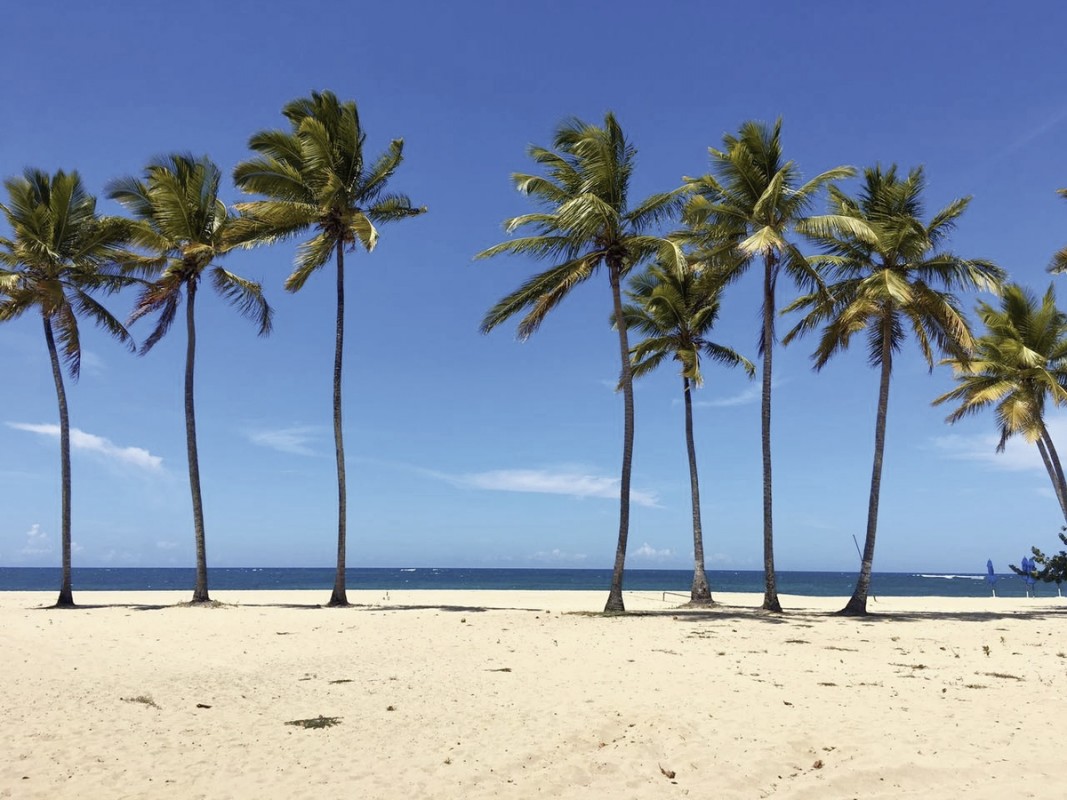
(758, 615)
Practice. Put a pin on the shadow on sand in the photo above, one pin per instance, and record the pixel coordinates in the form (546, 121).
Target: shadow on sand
(758, 615)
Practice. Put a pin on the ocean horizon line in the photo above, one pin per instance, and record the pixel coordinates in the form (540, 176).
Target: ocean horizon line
(795, 582)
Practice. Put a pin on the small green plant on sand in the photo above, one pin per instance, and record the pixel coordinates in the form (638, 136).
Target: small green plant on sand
(316, 722)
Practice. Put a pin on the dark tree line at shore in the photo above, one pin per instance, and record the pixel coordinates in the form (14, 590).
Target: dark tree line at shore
(879, 266)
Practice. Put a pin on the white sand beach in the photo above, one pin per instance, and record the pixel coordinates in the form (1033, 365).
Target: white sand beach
(485, 694)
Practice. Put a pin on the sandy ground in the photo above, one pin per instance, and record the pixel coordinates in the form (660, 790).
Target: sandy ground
(507, 694)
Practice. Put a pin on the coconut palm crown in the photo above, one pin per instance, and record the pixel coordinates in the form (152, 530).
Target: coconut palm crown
(183, 227)
(313, 178)
(675, 311)
(892, 278)
(60, 252)
(585, 222)
(1019, 363)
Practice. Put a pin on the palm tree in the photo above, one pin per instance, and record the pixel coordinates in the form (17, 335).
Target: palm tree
(183, 226)
(748, 207)
(1017, 364)
(892, 277)
(60, 251)
(586, 221)
(676, 311)
(315, 179)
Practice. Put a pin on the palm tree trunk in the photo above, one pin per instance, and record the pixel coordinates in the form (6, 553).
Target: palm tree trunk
(857, 605)
(66, 592)
(770, 595)
(1047, 459)
(1054, 457)
(700, 593)
(200, 594)
(615, 604)
(340, 594)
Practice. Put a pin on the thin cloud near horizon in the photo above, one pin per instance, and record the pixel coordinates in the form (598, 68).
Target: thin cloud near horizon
(294, 440)
(1019, 455)
(750, 394)
(572, 483)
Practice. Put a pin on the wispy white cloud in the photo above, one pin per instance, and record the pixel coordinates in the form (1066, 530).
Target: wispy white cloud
(557, 556)
(295, 440)
(1019, 454)
(1034, 133)
(982, 448)
(572, 483)
(750, 394)
(80, 440)
(647, 552)
(164, 544)
(38, 543)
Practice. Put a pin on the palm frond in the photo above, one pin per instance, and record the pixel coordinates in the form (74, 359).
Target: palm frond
(540, 294)
(311, 256)
(244, 295)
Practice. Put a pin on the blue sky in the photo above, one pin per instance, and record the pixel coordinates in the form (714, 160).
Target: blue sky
(471, 450)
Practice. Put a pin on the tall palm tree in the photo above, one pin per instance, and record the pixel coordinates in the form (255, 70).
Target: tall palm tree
(892, 277)
(749, 205)
(675, 311)
(183, 226)
(59, 252)
(314, 178)
(586, 222)
(1017, 365)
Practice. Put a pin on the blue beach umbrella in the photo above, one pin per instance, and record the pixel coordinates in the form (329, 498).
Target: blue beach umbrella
(991, 576)
(1029, 567)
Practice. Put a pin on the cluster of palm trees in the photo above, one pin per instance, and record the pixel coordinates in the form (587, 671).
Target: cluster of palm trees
(880, 268)
(310, 178)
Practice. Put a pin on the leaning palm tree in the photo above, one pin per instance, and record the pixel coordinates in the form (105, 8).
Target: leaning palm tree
(892, 277)
(1017, 365)
(675, 311)
(59, 252)
(748, 207)
(587, 222)
(182, 225)
(314, 178)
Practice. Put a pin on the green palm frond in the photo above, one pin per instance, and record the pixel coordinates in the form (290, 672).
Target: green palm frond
(88, 307)
(245, 295)
(311, 256)
(270, 221)
(564, 247)
(540, 294)
(392, 207)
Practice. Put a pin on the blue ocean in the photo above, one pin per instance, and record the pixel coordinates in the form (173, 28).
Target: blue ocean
(815, 584)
